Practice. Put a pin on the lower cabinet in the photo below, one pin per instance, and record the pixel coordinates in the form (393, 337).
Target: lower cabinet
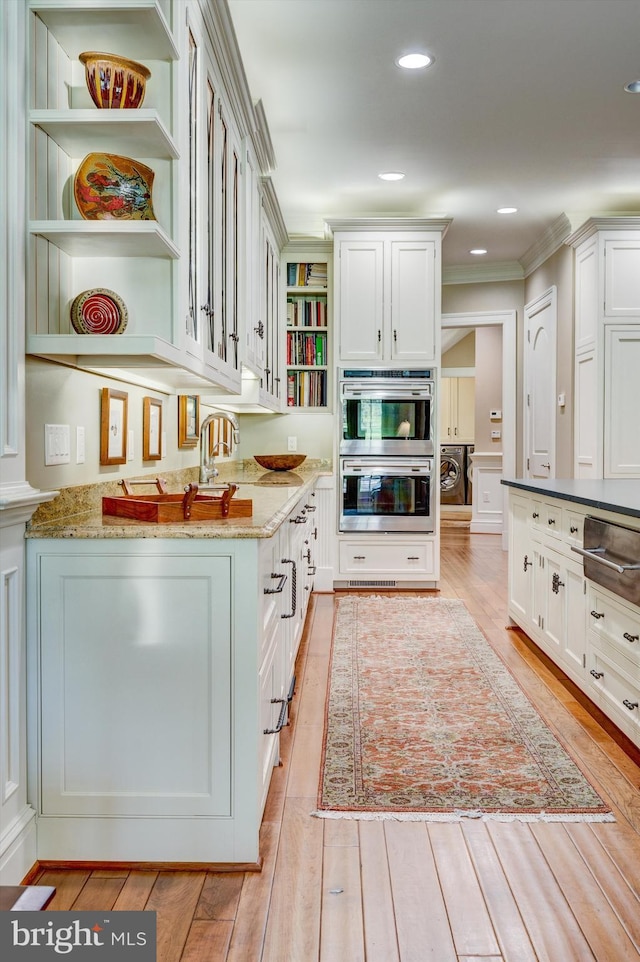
(387, 561)
(592, 634)
(159, 675)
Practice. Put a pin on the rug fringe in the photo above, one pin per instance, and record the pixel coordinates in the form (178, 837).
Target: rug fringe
(461, 816)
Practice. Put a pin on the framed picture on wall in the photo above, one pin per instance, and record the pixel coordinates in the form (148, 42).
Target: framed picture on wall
(188, 420)
(113, 426)
(151, 429)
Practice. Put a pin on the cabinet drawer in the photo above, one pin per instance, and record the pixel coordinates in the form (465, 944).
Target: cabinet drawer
(614, 623)
(387, 558)
(550, 519)
(617, 685)
(573, 527)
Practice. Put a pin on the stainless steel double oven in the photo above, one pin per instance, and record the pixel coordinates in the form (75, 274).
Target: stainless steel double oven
(387, 481)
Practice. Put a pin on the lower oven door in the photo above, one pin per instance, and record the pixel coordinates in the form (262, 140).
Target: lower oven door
(386, 494)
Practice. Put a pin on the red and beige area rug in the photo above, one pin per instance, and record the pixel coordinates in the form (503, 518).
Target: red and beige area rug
(424, 721)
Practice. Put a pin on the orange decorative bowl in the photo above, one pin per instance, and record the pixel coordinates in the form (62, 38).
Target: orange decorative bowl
(111, 187)
(279, 462)
(114, 82)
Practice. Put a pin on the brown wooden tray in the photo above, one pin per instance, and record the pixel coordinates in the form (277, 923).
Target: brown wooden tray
(190, 506)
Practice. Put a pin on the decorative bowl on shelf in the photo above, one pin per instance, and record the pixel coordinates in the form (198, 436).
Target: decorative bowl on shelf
(114, 82)
(279, 462)
(98, 311)
(111, 187)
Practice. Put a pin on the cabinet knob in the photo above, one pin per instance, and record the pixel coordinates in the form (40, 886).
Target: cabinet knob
(597, 614)
(551, 520)
(630, 638)
(629, 704)
(573, 529)
(535, 514)
(596, 674)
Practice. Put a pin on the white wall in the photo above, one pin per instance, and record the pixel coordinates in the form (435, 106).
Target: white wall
(267, 434)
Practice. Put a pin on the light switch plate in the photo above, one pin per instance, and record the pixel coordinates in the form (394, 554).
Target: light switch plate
(57, 444)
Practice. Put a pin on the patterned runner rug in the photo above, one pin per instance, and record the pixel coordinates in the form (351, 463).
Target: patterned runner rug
(425, 721)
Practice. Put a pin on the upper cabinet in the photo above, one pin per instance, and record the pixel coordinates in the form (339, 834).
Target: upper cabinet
(188, 269)
(607, 347)
(387, 278)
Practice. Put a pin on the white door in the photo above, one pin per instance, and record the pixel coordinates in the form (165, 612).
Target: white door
(540, 385)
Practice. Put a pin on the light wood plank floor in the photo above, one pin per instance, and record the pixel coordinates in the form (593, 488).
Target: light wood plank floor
(348, 891)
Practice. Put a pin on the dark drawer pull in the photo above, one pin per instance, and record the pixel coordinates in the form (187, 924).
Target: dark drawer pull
(282, 717)
(294, 586)
(299, 519)
(551, 520)
(556, 584)
(359, 557)
(629, 637)
(413, 557)
(311, 507)
(629, 704)
(573, 529)
(597, 614)
(276, 591)
(596, 674)
(535, 514)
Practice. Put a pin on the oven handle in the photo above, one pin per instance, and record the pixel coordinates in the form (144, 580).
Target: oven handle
(594, 555)
(387, 471)
(386, 395)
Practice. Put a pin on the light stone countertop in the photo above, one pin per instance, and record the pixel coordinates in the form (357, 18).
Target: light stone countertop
(77, 511)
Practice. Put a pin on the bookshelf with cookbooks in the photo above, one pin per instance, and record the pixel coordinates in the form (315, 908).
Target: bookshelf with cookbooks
(308, 327)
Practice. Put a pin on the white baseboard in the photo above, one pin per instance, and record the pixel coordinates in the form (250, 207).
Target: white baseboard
(18, 853)
(486, 527)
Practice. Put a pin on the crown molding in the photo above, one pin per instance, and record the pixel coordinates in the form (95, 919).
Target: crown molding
(483, 273)
(387, 223)
(550, 241)
(262, 141)
(274, 214)
(597, 222)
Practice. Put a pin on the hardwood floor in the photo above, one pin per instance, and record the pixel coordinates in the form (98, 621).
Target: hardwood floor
(349, 891)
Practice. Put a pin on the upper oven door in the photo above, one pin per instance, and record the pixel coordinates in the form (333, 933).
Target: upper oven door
(388, 419)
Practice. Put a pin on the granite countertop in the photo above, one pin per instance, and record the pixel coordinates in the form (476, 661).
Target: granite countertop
(619, 495)
(77, 511)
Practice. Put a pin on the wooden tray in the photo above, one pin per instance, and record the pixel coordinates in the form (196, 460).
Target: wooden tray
(164, 508)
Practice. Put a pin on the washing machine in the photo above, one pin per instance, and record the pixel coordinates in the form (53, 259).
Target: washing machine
(452, 473)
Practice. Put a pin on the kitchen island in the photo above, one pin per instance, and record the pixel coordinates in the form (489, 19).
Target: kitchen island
(588, 630)
(160, 671)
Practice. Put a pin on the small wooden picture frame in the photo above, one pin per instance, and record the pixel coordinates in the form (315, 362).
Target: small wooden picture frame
(151, 429)
(113, 426)
(188, 420)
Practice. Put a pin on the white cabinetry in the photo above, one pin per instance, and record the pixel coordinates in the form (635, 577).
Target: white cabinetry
(457, 410)
(589, 632)
(546, 582)
(387, 291)
(614, 658)
(159, 676)
(607, 345)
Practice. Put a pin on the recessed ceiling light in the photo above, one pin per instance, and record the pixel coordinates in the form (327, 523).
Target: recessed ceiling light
(507, 210)
(415, 61)
(633, 87)
(391, 175)
(478, 250)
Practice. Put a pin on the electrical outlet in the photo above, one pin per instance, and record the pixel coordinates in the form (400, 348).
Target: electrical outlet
(486, 497)
(292, 444)
(496, 435)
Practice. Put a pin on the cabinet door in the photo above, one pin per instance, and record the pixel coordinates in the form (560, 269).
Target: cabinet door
(270, 299)
(413, 306)
(135, 645)
(622, 278)
(447, 413)
(622, 433)
(588, 417)
(520, 561)
(465, 426)
(587, 302)
(360, 300)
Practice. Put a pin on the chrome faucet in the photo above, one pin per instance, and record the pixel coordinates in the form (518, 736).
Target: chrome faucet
(208, 469)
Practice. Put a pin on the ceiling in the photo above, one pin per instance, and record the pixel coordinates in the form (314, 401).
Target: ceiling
(524, 107)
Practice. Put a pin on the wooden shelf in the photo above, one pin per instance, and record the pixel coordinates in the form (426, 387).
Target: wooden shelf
(134, 133)
(107, 238)
(137, 29)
